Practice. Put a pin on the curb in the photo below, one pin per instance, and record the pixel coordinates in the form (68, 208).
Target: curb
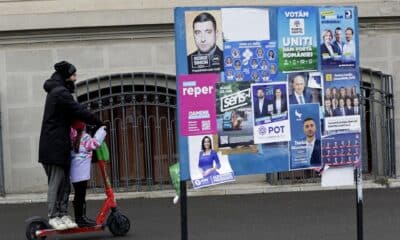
(221, 190)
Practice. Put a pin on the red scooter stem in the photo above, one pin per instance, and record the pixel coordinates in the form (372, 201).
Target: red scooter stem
(110, 201)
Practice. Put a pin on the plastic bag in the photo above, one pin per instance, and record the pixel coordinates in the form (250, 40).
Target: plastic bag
(102, 153)
(175, 177)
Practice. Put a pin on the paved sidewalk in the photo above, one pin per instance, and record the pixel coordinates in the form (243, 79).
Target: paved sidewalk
(224, 189)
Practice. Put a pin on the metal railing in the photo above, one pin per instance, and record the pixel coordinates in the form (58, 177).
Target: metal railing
(139, 112)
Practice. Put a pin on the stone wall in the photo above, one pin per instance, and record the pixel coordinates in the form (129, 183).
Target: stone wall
(26, 61)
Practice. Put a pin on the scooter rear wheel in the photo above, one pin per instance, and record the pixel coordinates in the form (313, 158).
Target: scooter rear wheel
(32, 228)
(118, 224)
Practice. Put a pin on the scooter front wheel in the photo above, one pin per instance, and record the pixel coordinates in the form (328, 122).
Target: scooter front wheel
(31, 229)
(118, 224)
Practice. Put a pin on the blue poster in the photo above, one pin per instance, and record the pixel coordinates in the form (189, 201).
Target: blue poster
(337, 37)
(250, 61)
(341, 149)
(305, 144)
(297, 39)
(270, 109)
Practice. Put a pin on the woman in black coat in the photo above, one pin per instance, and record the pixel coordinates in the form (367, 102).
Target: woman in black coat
(55, 144)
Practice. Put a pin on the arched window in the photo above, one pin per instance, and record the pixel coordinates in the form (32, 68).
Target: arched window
(139, 112)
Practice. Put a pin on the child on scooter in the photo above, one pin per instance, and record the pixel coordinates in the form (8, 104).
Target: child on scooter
(81, 157)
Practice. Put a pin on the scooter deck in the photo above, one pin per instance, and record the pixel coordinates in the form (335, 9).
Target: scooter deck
(48, 232)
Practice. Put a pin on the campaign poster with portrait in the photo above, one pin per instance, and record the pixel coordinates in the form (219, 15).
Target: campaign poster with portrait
(197, 104)
(342, 100)
(234, 115)
(204, 41)
(305, 144)
(250, 61)
(305, 87)
(338, 41)
(270, 109)
(207, 166)
(341, 149)
(297, 39)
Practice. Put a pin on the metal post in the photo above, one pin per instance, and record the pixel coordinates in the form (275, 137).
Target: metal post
(359, 199)
(183, 203)
(2, 187)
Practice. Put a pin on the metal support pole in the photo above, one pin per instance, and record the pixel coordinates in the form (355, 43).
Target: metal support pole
(183, 204)
(359, 198)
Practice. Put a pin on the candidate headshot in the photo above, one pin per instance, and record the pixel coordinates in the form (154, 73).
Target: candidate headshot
(313, 144)
(299, 95)
(260, 104)
(338, 42)
(280, 103)
(207, 57)
(208, 158)
(327, 50)
(228, 61)
(349, 48)
(271, 55)
(229, 75)
(260, 53)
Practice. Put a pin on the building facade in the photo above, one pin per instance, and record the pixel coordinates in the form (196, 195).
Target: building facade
(105, 39)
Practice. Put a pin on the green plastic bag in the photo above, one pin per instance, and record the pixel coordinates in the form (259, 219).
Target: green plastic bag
(175, 177)
(102, 153)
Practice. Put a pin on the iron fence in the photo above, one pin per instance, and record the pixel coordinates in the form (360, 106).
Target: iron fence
(139, 112)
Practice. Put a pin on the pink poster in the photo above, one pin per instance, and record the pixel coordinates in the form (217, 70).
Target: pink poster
(197, 104)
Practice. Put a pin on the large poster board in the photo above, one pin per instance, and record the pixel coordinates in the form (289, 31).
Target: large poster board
(272, 88)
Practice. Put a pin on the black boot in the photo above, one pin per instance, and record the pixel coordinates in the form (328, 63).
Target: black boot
(80, 215)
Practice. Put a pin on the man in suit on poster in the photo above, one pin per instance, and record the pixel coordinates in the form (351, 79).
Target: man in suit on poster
(260, 104)
(299, 95)
(338, 43)
(313, 144)
(208, 57)
(328, 107)
(349, 48)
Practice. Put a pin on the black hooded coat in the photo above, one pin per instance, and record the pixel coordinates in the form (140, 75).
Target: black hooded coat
(59, 111)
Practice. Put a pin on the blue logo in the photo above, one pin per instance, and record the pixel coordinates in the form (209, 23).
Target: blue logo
(262, 130)
(348, 14)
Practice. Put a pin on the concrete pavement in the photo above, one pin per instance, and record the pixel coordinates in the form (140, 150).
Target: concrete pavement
(224, 189)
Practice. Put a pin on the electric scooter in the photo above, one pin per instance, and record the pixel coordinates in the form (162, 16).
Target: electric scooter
(109, 216)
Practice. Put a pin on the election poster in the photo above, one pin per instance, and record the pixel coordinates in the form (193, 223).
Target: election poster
(197, 104)
(341, 149)
(270, 109)
(297, 39)
(234, 115)
(341, 100)
(305, 87)
(250, 61)
(204, 41)
(207, 166)
(305, 144)
(337, 29)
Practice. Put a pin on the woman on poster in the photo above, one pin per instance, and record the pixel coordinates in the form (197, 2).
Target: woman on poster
(208, 158)
(327, 49)
(280, 103)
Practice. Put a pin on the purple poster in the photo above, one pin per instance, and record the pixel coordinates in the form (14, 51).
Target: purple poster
(197, 104)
